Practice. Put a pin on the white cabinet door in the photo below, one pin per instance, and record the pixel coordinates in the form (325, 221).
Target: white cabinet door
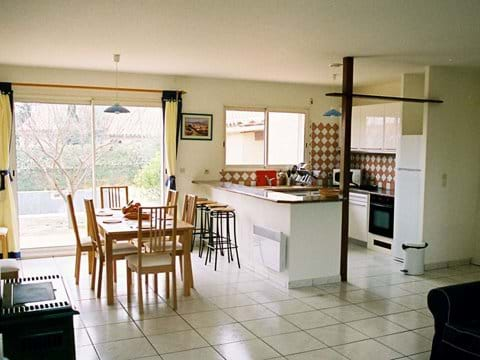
(358, 214)
(373, 126)
(356, 127)
(392, 125)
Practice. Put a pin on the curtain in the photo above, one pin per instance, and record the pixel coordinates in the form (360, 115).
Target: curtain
(8, 207)
(172, 117)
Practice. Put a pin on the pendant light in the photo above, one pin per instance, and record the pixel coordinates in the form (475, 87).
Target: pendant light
(333, 112)
(116, 108)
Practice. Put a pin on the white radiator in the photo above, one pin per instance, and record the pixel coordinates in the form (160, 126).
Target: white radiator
(270, 248)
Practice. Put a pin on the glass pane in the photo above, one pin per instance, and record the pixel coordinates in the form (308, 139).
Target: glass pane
(244, 141)
(129, 151)
(54, 157)
(285, 138)
(381, 219)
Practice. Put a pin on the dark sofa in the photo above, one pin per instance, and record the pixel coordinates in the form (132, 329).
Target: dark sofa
(456, 310)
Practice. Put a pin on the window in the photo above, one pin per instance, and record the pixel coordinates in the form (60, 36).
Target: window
(73, 148)
(264, 137)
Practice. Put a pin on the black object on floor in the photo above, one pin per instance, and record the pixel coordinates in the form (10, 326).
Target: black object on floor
(36, 319)
(456, 312)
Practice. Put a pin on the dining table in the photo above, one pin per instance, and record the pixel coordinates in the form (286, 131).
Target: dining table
(113, 226)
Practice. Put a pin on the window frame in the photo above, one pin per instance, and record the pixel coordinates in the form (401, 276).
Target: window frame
(266, 110)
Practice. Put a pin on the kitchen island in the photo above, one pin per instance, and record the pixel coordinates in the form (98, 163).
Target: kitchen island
(307, 223)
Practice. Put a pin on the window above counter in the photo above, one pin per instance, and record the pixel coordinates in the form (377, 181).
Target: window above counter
(264, 137)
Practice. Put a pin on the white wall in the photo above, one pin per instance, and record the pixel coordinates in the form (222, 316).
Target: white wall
(204, 95)
(413, 86)
(450, 219)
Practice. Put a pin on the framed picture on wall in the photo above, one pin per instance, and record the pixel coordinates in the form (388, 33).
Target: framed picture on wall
(196, 126)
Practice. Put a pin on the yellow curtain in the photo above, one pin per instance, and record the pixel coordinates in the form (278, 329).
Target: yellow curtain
(8, 207)
(171, 109)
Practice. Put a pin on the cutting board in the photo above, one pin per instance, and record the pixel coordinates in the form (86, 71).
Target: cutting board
(262, 181)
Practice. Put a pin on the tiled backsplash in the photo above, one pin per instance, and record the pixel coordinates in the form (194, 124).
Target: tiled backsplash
(324, 156)
(324, 148)
(379, 168)
(244, 177)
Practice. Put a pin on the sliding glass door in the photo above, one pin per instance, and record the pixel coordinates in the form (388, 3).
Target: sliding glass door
(73, 148)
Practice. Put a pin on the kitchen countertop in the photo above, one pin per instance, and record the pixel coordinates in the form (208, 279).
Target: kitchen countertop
(377, 191)
(278, 194)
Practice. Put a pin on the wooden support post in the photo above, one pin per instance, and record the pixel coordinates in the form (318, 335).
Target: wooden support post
(346, 130)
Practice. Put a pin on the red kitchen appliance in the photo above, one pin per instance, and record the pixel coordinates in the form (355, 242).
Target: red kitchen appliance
(263, 175)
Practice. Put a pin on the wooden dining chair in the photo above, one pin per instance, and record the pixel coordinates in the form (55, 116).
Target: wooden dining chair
(172, 199)
(113, 197)
(120, 250)
(160, 254)
(188, 215)
(82, 244)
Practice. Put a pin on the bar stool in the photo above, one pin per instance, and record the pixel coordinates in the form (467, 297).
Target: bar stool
(221, 239)
(201, 231)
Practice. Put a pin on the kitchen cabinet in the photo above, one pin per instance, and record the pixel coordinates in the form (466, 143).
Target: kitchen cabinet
(392, 126)
(358, 215)
(376, 128)
(356, 127)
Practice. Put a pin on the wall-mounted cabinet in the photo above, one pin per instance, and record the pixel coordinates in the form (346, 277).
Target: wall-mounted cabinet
(376, 128)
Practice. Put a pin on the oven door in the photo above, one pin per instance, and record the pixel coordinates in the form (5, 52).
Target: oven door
(381, 220)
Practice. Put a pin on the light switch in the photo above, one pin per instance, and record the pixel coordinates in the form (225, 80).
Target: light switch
(444, 180)
(182, 170)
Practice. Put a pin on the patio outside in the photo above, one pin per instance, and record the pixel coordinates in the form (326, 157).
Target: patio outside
(57, 154)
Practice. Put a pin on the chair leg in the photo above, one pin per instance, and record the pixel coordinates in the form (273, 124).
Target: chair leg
(155, 283)
(115, 272)
(91, 258)
(100, 276)
(129, 284)
(94, 270)
(174, 289)
(140, 294)
(167, 285)
(78, 258)
(180, 260)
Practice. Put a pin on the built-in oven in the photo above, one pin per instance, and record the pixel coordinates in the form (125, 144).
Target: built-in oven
(381, 215)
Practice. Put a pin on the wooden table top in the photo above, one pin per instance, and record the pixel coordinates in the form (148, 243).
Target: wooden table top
(129, 228)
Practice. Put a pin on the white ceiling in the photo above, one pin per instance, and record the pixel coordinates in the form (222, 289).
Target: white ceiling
(279, 40)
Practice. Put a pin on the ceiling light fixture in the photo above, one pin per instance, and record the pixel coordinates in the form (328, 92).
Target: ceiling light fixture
(116, 108)
(333, 112)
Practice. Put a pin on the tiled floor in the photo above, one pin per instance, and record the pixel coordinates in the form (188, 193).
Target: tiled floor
(379, 314)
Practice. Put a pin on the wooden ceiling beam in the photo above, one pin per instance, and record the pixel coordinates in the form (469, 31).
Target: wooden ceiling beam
(385, 98)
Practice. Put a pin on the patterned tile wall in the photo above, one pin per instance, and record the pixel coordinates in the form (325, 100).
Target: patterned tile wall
(243, 177)
(324, 148)
(379, 168)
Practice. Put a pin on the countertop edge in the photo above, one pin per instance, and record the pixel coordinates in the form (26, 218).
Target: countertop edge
(218, 185)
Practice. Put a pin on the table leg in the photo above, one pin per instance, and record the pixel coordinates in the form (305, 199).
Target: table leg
(187, 263)
(109, 265)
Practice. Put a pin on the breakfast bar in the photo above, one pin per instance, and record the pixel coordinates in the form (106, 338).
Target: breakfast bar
(291, 235)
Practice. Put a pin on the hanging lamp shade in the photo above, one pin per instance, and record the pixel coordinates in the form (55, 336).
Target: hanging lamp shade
(116, 108)
(333, 113)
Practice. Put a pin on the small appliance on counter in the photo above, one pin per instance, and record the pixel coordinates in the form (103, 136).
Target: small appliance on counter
(355, 177)
(301, 174)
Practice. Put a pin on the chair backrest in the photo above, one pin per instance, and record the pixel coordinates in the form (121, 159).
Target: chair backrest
(189, 208)
(113, 197)
(93, 226)
(172, 199)
(159, 231)
(73, 219)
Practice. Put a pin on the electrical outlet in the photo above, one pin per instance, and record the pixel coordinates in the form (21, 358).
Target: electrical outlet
(206, 172)
(444, 180)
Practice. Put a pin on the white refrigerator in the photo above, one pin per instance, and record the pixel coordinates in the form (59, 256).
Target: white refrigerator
(409, 177)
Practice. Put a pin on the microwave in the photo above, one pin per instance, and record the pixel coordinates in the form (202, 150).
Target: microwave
(355, 177)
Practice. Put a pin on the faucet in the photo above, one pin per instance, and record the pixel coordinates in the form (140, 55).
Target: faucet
(269, 181)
